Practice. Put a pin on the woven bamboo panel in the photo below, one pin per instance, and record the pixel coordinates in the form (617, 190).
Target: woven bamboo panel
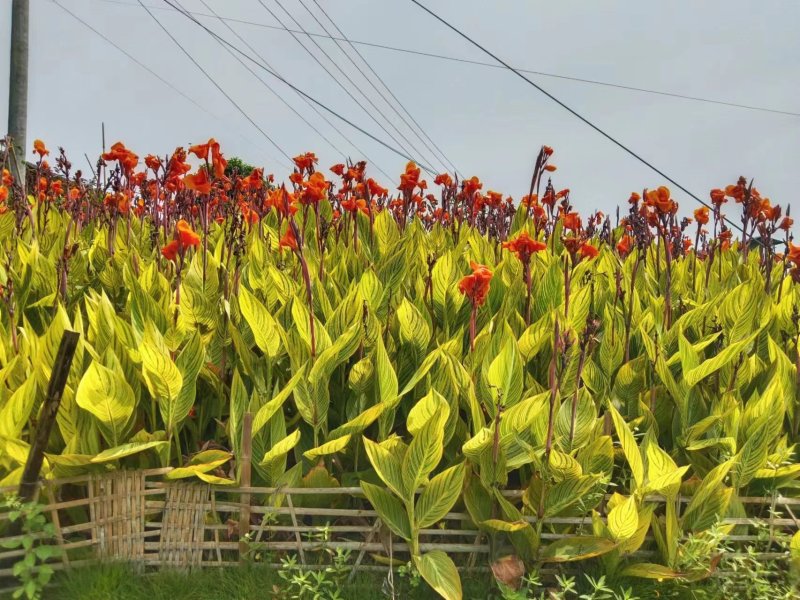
(183, 525)
(118, 515)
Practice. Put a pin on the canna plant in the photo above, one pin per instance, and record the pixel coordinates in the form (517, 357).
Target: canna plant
(438, 351)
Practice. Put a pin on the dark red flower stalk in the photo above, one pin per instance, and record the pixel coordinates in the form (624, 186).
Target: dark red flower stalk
(524, 247)
(475, 287)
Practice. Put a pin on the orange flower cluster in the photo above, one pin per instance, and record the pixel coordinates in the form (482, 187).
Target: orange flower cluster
(185, 238)
(305, 162)
(40, 149)
(476, 286)
(127, 160)
(701, 215)
(524, 246)
(211, 148)
(410, 179)
(660, 199)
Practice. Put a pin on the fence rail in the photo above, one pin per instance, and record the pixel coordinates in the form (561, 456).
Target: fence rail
(140, 518)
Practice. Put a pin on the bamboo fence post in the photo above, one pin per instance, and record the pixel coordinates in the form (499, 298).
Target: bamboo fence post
(244, 482)
(55, 389)
(57, 524)
(363, 550)
(297, 531)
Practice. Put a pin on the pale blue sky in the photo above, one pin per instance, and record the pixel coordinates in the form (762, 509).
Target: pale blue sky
(487, 121)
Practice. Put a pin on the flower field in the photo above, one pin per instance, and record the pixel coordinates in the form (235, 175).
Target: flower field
(434, 342)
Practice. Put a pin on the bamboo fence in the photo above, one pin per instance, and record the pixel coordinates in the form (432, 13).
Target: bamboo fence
(148, 521)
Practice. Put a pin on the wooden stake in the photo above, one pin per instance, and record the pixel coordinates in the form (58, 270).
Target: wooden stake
(55, 389)
(244, 482)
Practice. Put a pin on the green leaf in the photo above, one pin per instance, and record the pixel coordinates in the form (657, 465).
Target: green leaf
(566, 493)
(389, 509)
(388, 468)
(264, 328)
(439, 496)
(424, 453)
(281, 448)
(331, 447)
(17, 410)
(623, 520)
(650, 571)
(579, 547)
(202, 462)
(629, 447)
(505, 374)
(163, 379)
(108, 397)
(124, 450)
(506, 526)
(432, 405)
(753, 454)
(719, 360)
(709, 486)
(266, 412)
(439, 572)
(189, 363)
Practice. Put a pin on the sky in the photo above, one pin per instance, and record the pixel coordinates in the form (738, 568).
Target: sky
(487, 121)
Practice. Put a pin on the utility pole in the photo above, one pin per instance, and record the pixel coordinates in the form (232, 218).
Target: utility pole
(18, 85)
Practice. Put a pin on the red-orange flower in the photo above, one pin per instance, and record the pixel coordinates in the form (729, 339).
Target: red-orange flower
(127, 159)
(338, 169)
(524, 246)
(786, 223)
(550, 168)
(660, 200)
(588, 251)
(476, 286)
(288, 240)
(186, 235)
(701, 215)
(725, 237)
(410, 179)
(153, 162)
(7, 178)
(625, 245)
(170, 251)
(198, 182)
(634, 198)
(314, 189)
(305, 161)
(718, 197)
(572, 221)
(443, 179)
(255, 180)
(471, 185)
(201, 151)
(735, 191)
(40, 148)
(3, 193)
(375, 189)
(352, 205)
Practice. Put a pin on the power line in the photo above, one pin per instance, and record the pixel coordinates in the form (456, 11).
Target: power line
(266, 85)
(144, 66)
(304, 94)
(573, 112)
(489, 65)
(314, 108)
(217, 85)
(410, 149)
(424, 135)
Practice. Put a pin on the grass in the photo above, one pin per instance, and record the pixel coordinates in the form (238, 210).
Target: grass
(121, 582)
